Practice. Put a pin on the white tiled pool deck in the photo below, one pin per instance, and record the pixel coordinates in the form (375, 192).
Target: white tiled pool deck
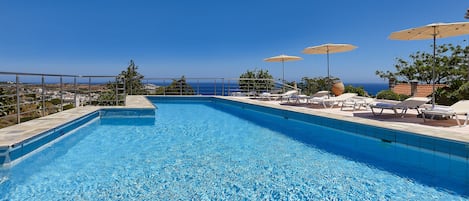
(446, 129)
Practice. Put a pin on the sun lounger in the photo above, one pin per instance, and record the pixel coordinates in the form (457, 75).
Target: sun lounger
(239, 93)
(410, 103)
(283, 96)
(459, 108)
(357, 102)
(332, 101)
(299, 98)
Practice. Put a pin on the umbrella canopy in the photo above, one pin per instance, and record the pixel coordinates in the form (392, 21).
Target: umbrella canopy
(432, 31)
(282, 58)
(327, 49)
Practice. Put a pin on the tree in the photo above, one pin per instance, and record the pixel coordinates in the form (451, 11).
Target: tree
(256, 80)
(310, 86)
(133, 79)
(451, 69)
(180, 87)
(358, 90)
(450, 65)
(133, 86)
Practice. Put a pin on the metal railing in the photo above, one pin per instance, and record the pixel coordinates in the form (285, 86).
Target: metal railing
(25, 96)
(212, 86)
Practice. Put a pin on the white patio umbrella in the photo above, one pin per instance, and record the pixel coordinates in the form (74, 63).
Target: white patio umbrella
(432, 31)
(282, 58)
(328, 48)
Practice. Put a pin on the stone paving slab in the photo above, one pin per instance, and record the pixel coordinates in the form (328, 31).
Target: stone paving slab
(138, 102)
(21, 132)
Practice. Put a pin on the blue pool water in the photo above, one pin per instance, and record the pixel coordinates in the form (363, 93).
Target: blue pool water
(206, 151)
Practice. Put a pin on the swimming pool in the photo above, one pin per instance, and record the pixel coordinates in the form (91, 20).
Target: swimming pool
(214, 149)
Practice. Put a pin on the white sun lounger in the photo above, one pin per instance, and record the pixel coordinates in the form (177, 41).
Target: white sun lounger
(298, 98)
(283, 96)
(459, 108)
(357, 102)
(331, 101)
(410, 103)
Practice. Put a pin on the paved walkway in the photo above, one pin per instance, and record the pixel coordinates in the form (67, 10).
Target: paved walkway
(20, 132)
(446, 129)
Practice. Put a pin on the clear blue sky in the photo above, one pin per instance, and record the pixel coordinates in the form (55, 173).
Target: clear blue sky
(216, 38)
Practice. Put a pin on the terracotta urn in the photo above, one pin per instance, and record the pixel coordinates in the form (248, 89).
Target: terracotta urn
(338, 88)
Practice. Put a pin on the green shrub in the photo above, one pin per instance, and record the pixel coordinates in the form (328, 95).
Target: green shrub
(403, 96)
(387, 94)
(390, 95)
(310, 86)
(358, 90)
(55, 101)
(69, 106)
(457, 90)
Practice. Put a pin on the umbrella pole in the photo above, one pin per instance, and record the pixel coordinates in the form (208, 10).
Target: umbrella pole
(434, 66)
(328, 75)
(329, 85)
(283, 76)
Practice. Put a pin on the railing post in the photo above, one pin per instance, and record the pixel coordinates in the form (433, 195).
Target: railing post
(61, 95)
(75, 90)
(146, 91)
(164, 88)
(198, 88)
(43, 94)
(131, 85)
(215, 88)
(117, 91)
(229, 87)
(222, 86)
(89, 90)
(255, 87)
(125, 91)
(18, 108)
(180, 88)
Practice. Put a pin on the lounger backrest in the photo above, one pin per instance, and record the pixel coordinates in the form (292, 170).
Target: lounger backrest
(289, 93)
(320, 94)
(345, 96)
(413, 102)
(461, 106)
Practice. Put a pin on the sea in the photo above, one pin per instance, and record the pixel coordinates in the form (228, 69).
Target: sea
(370, 88)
